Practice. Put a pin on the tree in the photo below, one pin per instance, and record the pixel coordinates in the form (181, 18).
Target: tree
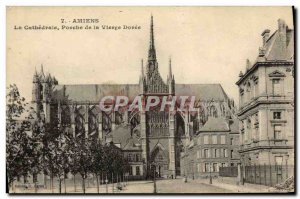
(73, 159)
(84, 159)
(16, 137)
(17, 154)
(36, 157)
(114, 161)
(97, 160)
(57, 158)
(49, 156)
(66, 157)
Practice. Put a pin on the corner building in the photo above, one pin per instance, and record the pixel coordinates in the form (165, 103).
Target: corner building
(266, 111)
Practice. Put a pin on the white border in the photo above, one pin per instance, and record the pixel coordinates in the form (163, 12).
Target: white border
(5, 3)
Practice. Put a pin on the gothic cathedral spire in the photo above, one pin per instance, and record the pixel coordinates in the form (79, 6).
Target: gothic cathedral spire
(151, 53)
(153, 80)
(142, 70)
(170, 68)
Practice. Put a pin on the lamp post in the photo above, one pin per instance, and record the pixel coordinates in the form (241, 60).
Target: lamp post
(154, 177)
(193, 176)
(106, 181)
(112, 181)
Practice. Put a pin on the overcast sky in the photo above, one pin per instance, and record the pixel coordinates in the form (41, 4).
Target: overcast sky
(207, 44)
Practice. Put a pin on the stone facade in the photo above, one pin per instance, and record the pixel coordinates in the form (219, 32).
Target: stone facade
(266, 111)
(215, 145)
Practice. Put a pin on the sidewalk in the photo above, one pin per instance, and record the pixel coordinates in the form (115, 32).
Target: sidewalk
(138, 187)
(232, 186)
(131, 187)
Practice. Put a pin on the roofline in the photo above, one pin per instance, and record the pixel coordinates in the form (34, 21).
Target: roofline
(272, 35)
(224, 93)
(279, 62)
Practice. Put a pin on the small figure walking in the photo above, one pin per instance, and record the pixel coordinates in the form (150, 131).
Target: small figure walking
(185, 179)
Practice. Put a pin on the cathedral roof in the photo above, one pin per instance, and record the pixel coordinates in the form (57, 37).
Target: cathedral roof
(94, 93)
(203, 92)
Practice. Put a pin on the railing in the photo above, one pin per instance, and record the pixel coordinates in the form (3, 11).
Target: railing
(268, 175)
(134, 178)
(228, 171)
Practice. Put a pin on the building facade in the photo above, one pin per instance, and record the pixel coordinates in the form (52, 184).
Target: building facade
(157, 136)
(266, 111)
(215, 145)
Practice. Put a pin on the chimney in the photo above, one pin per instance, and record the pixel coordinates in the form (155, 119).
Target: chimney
(248, 65)
(281, 26)
(282, 39)
(241, 74)
(265, 35)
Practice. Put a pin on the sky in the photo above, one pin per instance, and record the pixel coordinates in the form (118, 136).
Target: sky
(207, 45)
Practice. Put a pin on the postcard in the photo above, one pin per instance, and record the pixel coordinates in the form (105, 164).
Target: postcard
(150, 100)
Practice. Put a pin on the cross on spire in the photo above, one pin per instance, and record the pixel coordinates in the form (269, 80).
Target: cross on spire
(170, 68)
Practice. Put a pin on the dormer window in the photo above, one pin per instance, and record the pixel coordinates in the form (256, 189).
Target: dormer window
(242, 96)
(277, 79)
(255, 79)
(249, 94)
(277, 115)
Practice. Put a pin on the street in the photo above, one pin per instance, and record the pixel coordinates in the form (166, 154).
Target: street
(172, 186)
(178, 186)
(163, 186)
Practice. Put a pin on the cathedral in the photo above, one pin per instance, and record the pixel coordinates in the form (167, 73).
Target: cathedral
(152, 139)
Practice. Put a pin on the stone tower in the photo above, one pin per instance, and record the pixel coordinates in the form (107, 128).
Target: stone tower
(41, 93)
(157, 127)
